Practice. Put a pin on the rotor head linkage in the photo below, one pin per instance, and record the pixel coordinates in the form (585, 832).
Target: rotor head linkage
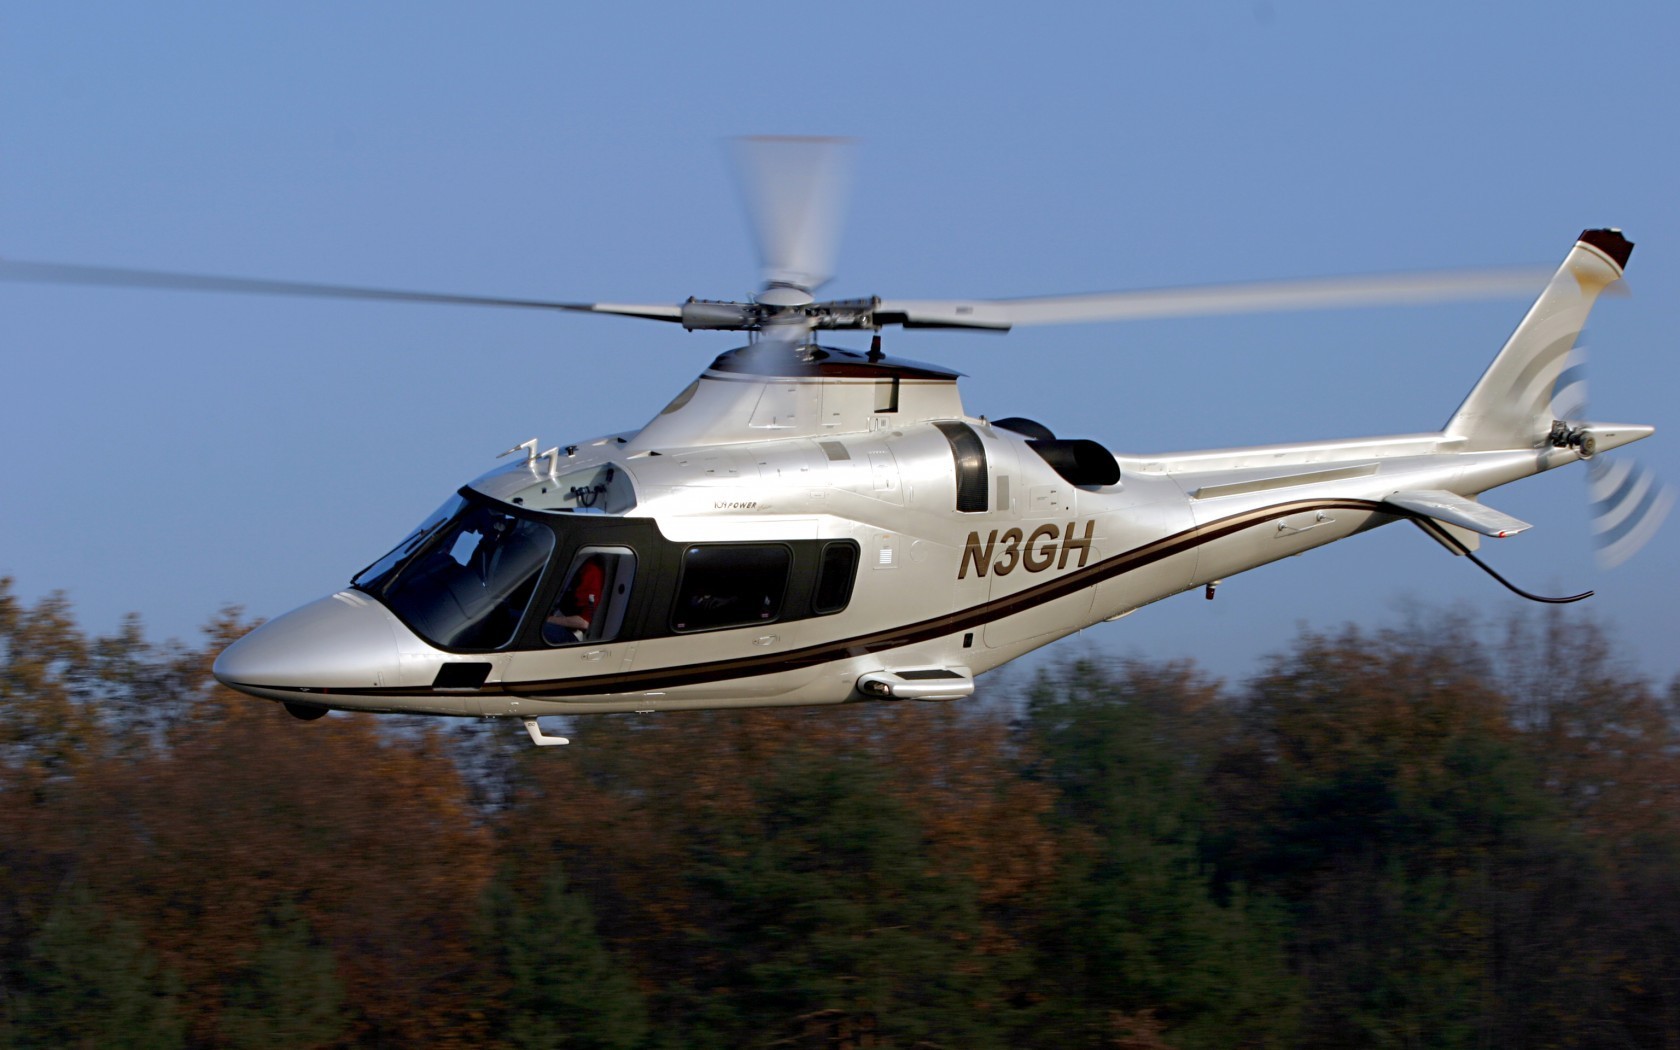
(727, 316)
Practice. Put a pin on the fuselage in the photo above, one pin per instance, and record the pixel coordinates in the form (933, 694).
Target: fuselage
(780, 540)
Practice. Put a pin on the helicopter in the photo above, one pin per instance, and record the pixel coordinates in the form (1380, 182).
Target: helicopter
(808, 524)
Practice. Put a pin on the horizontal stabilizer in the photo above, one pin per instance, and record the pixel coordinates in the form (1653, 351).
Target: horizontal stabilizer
(1453, 509)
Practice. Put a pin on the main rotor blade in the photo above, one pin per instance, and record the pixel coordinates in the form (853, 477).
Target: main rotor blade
(1261, 296)
(794, 189)
(67, 273)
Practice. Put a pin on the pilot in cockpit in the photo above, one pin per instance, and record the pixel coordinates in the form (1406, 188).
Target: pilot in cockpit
(568, 621)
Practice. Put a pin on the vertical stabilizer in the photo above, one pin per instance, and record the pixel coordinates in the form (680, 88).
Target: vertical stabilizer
(1511, 406)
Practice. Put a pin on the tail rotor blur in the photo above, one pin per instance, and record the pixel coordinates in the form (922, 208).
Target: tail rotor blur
(1628, 502)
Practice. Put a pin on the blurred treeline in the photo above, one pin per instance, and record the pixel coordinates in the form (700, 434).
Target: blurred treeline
(1420, 836)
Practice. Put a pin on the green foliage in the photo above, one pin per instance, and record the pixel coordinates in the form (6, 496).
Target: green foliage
(552, 983)
(289, 995)
(822, 902)
(1134, 919)
(89, 981)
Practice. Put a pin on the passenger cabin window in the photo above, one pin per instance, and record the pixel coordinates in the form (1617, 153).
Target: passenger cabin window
(590, 604)
(834, 577)
(730, 585)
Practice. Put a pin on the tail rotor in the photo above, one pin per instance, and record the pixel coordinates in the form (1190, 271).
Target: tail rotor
(1628, 502)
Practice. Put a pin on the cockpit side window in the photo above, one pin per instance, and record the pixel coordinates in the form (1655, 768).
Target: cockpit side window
(468, 588)
(590, 605)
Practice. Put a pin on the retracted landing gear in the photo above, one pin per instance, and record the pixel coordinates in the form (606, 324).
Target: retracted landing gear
(541, 739)
(929, 683)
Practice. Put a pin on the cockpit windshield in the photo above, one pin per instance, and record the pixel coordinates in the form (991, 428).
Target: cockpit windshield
(463, 580)
(378, 574)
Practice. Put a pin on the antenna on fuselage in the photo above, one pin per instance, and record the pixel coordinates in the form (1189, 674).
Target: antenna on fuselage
(530, 448)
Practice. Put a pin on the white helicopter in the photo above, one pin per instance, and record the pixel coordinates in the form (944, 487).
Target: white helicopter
(807, 524)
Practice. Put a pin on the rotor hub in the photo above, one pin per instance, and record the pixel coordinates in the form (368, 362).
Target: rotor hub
(784, 296)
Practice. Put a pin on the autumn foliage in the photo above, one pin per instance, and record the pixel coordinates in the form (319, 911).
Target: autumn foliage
(1400, 837)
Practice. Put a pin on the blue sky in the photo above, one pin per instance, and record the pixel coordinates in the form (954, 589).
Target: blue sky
(170, 453)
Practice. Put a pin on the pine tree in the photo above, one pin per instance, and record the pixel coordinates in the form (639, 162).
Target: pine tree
(1133, 925)
(823, 907)
(90, 982)
(289, 996)
(552, 983)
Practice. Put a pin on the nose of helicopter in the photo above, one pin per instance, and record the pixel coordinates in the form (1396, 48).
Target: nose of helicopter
(344, 641)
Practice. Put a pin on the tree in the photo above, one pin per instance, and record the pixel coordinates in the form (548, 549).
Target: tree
(45, 733)
(249, 815)
(1399, 837)
(1382, 789)
(90, 981)
(1134, 927)
(288, 996)
(551, 982)
(823, 899)
(1606, 747)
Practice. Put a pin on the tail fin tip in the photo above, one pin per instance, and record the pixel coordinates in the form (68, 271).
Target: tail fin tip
(1610, 242)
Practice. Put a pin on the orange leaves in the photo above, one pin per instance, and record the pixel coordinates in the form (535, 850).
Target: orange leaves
(373, 840)
(43, 730)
